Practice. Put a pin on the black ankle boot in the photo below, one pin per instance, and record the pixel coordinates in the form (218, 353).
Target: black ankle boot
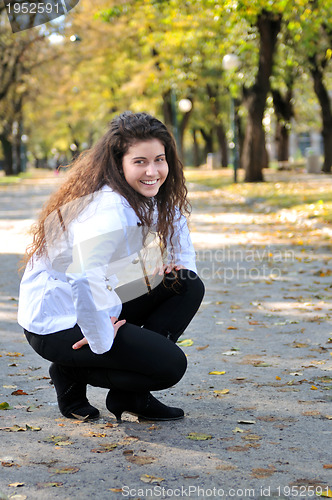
(143, 405)
(71, 394)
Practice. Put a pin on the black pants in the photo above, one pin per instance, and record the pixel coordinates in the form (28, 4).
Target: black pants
(144, 355)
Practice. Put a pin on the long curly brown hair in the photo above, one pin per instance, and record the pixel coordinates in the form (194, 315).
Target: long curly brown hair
(102, 165)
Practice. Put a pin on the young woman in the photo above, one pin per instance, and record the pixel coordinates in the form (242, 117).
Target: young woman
(111, 281)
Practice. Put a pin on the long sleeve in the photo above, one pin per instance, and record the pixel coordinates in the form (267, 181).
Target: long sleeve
(183, 252)
(93, 241)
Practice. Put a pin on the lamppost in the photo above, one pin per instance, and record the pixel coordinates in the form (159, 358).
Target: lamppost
(185, 106)
(231, 63)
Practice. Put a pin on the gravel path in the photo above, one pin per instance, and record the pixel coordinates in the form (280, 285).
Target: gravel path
(259, 427)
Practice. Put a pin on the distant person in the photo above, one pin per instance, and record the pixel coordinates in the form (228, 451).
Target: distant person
(111, 281)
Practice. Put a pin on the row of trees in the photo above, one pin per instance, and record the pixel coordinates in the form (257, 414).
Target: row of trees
(148, 54)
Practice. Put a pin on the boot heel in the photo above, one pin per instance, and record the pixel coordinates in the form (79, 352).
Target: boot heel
(114, 407)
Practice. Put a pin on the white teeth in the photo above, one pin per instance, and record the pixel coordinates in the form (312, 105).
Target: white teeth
(150, 183)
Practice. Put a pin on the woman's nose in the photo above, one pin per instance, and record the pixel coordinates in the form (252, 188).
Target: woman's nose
(150, 169)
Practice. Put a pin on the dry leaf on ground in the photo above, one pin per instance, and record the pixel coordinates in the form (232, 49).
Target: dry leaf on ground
(197, 436)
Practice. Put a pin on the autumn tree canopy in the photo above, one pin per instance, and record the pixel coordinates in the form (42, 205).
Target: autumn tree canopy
(64, 82)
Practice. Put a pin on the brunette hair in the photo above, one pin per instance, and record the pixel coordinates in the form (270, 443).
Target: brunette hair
(102, 165)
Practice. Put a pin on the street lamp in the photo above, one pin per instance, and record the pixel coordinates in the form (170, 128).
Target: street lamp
(185, 105)
(231, 63)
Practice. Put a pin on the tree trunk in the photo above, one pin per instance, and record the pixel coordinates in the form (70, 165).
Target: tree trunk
(254, 156)
(325, 104)
(284, 112)
(219, 127)
(167, 109)
(282, 141)
(196, 153)
(182, 128)
(238, 127)
(208, 138)
(8, 154)
(222, 140)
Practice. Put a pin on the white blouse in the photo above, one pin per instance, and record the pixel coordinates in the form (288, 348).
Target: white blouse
(101, 249)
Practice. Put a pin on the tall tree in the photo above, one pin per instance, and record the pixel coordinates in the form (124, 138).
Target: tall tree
(254, 157)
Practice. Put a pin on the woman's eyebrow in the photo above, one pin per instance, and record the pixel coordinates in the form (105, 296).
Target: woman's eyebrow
(144, 157)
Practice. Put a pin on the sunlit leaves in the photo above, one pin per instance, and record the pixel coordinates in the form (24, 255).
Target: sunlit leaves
(198, 436)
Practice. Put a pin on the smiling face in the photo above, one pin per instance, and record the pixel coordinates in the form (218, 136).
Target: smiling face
(145, 167)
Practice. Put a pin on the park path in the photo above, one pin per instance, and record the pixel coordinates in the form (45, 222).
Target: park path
(257, 393)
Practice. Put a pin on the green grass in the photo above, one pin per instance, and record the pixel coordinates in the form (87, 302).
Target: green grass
(312, 197)
(14, 179)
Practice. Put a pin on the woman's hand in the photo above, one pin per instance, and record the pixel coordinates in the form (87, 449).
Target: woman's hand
(167, 268)
(80, 343)
(116, 325)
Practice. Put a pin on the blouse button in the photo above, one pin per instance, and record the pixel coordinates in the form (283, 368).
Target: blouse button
(109, 288)
(135, 261)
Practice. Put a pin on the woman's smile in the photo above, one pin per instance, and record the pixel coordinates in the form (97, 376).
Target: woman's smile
(145, 167)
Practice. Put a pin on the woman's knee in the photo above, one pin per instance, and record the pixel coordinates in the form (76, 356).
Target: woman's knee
(193, 283)
(174, 367)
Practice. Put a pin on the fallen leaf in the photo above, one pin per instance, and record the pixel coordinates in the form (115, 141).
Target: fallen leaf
(95, 434)
(116, 490)
(9, 464)
(14, 354)
(261, 365)
(9, 386)
(64, 443)
(5, 406)
(262, 473)
(326, 494)
(202, 348)
(237, 429)
(314, 388)
(246, 422)
(64, 470)
(197, 436)
(16, 485)
(139, 459)
(232, 328)
(225, 467)
(146, 478)
(278, 378)
(327, 466)
(244, 447)
(222, 391)
(31, 428)
(19, 392)
(14, 428)
(105, 448)
(32, 408)
(49, 485)
(251, 437)
(299, 344)
(185, 342)
(56, 439)
(217, 373)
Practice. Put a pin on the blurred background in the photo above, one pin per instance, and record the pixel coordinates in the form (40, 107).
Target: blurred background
(242, 84)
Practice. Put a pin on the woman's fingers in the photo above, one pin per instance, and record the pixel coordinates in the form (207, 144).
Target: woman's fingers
(117, 324)
(80, 343)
